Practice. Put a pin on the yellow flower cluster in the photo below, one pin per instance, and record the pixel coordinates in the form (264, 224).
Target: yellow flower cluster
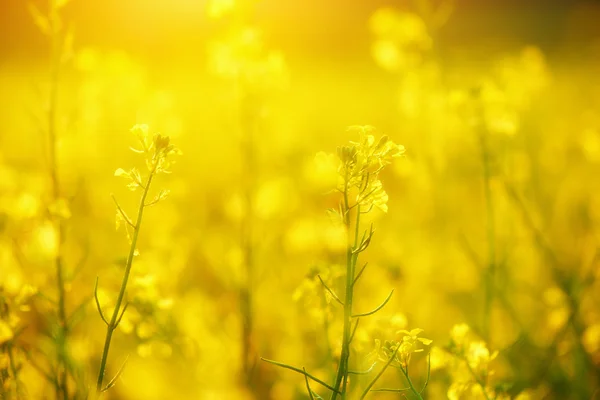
(12, 303)
(316, 302)
(402, 350)
(469, 362)
(156, 148)
(360, 165)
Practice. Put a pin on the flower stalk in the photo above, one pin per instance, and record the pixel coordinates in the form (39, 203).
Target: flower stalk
(115, 319)
(60, 40)
(156, 151)
(490, 273)
(351, 258)
(361, 191)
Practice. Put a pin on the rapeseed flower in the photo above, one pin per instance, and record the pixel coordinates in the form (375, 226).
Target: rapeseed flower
(359, 166)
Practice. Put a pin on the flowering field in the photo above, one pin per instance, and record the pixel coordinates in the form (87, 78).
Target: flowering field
(312, 200)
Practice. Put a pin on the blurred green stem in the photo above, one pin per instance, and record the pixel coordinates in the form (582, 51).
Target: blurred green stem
(490, 273)
(248, 118)
(14, 371)
(61, 336)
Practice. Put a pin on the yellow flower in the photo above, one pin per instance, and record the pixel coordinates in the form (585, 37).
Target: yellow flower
(412, 336)
(141, 132)
(360, 165)
(458, 334)
(404, 348)
(157, 151)
(478, 356)
(162, 149)
(133, 176)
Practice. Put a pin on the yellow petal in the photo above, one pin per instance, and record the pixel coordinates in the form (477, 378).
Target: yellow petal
(121, 172)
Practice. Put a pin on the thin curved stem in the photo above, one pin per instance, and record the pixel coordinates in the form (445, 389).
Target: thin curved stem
(116, 312)
(354, 330)
(379, 307)
(331, 292)
(98, 304)
(428, 373)
(310, 392)
(374, 381)
(359, 274)
(410, 384)
(302, 371)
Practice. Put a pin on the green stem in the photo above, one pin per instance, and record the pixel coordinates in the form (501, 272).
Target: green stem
(410, 384)
(115, 315)
(380, 373)
(302, 371)
(342, 373)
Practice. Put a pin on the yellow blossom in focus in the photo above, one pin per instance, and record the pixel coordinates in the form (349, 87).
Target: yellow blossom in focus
(360, 165)
(157, 150)
(402, 350)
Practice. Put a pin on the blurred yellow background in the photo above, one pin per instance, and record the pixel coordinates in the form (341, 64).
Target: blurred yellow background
(493, 212)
